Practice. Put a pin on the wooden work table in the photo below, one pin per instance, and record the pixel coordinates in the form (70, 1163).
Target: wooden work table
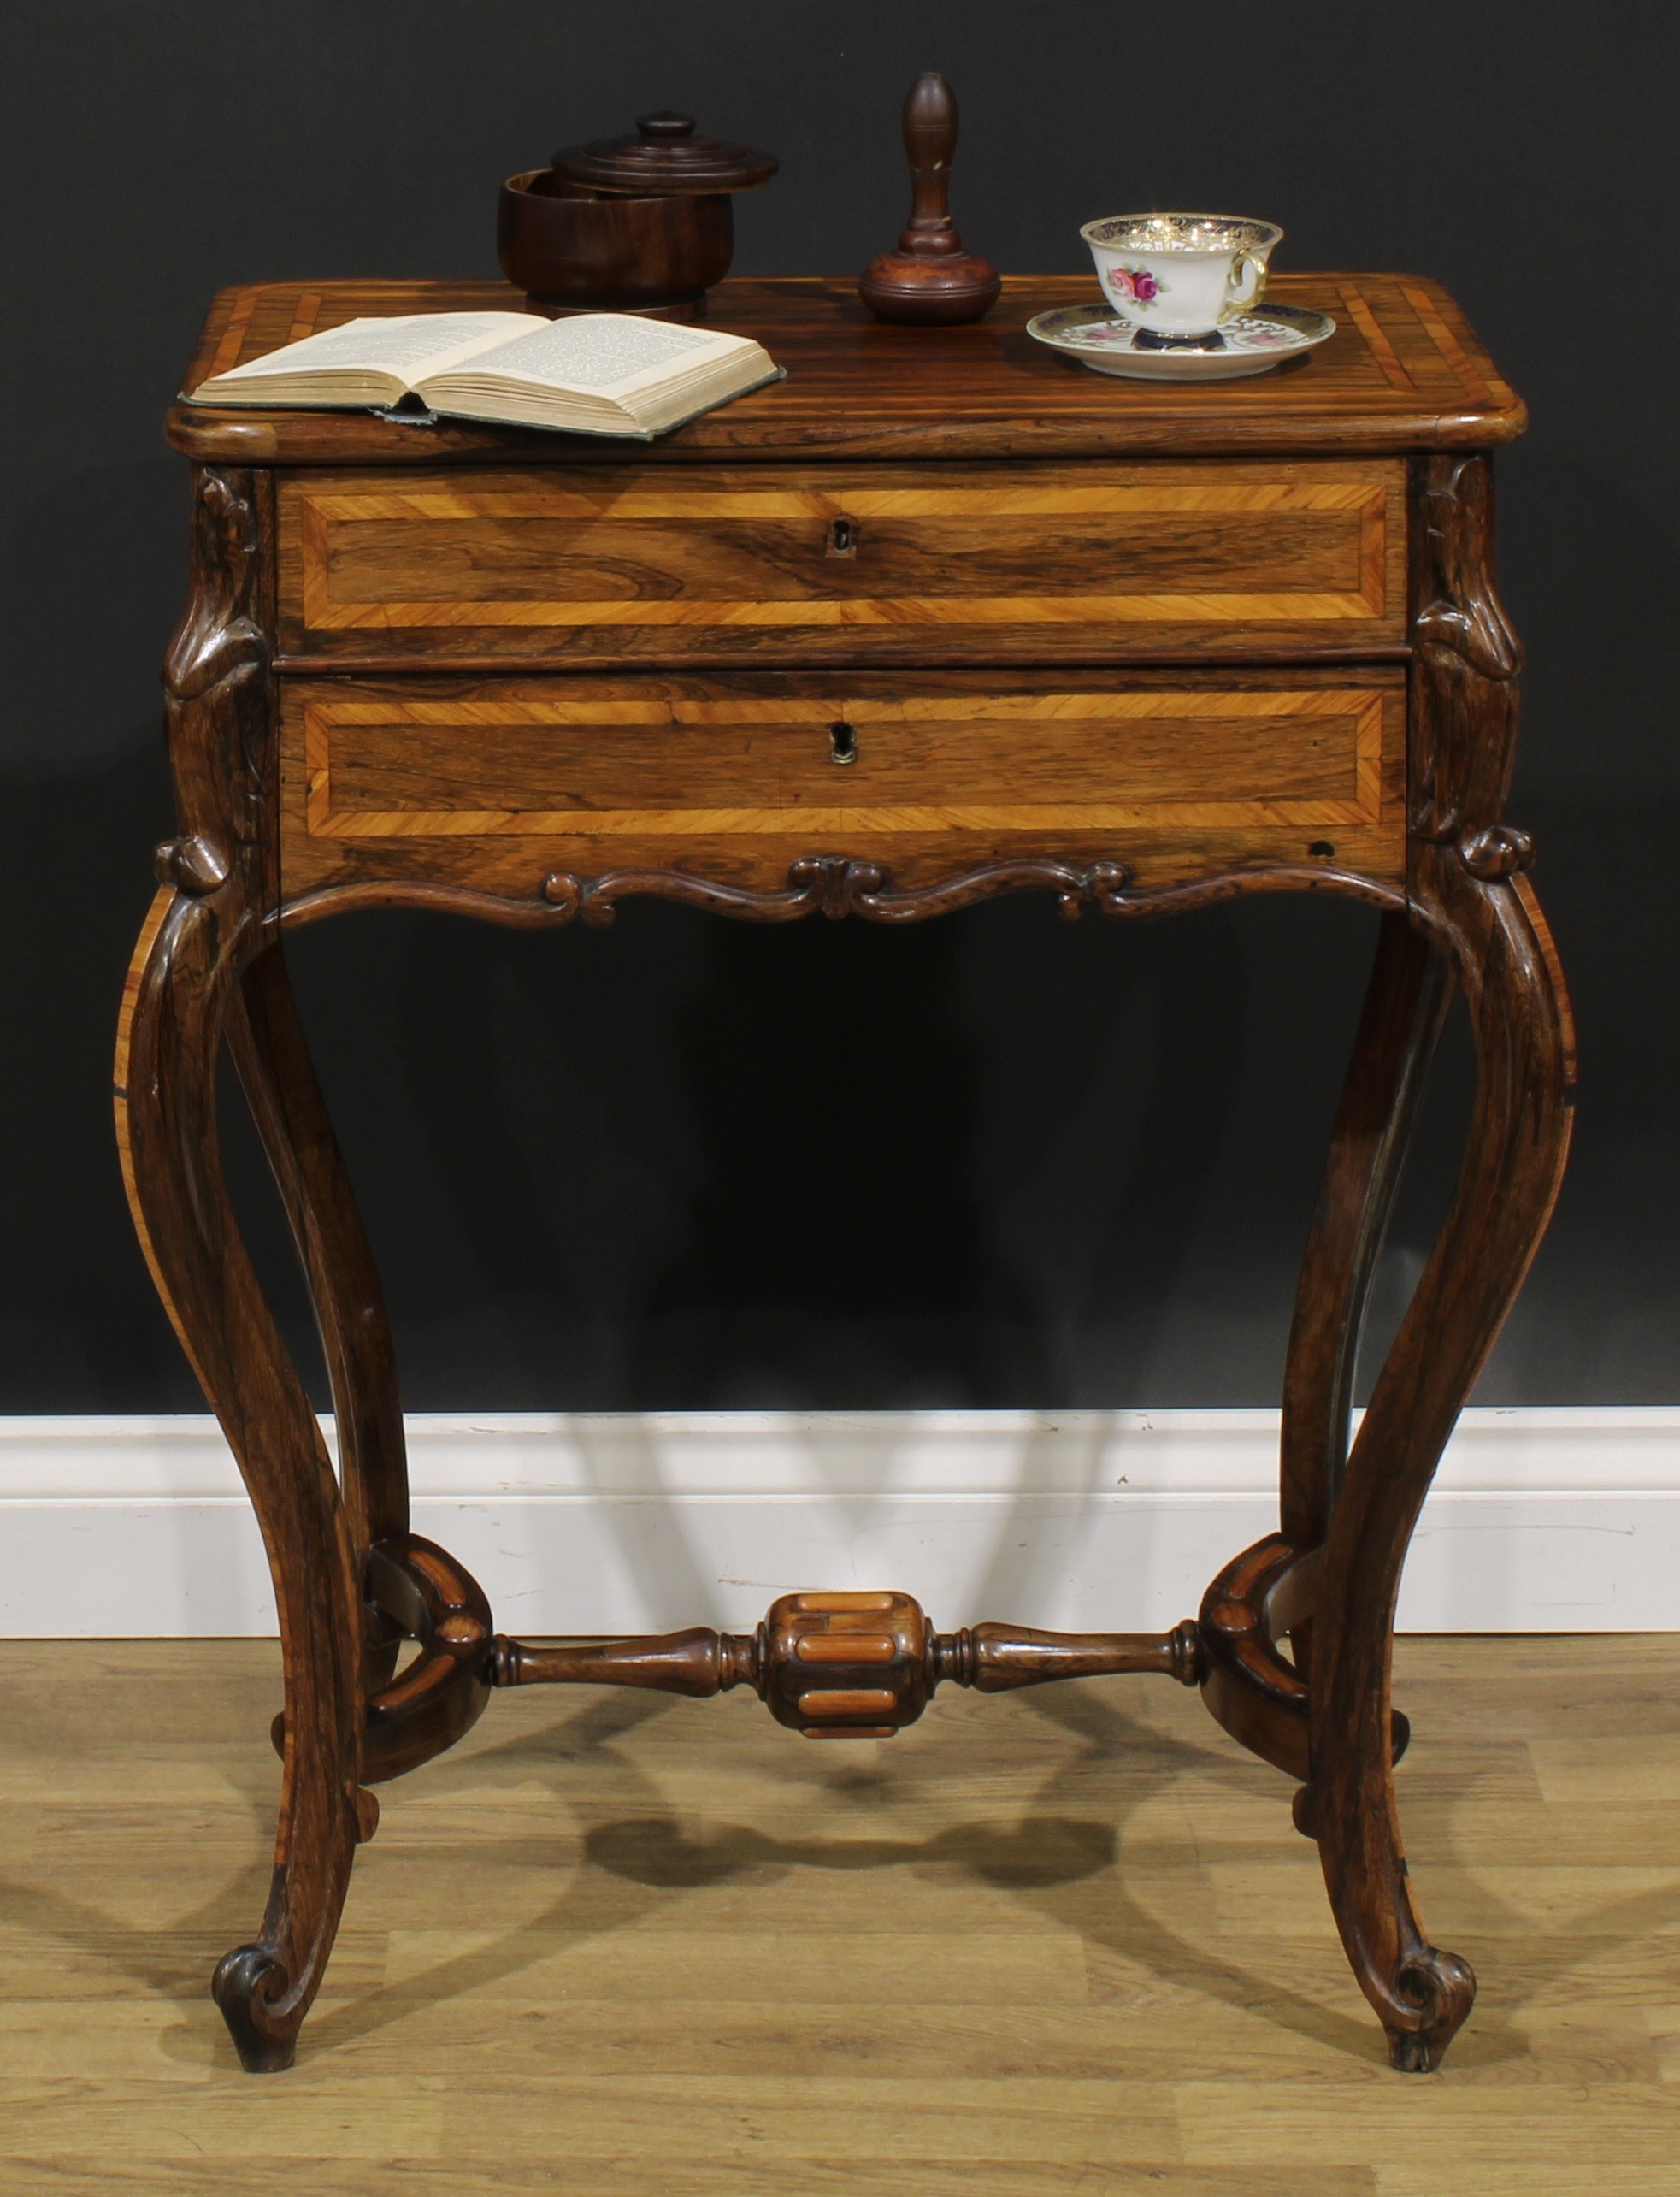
(939, 616)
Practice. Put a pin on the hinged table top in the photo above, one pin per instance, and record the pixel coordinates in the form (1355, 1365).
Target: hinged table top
(1403, 372)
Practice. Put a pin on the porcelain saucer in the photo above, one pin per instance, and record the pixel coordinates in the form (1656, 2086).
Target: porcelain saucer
(1251, 343)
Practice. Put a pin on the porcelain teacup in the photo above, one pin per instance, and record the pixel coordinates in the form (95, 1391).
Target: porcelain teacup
(1173, 277)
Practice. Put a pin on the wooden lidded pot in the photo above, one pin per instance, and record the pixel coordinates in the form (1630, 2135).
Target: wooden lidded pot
(627, 225)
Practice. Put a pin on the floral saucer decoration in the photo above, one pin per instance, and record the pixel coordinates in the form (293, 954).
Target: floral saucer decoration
(1252, 331)
(1134, 285)
(1249, 343)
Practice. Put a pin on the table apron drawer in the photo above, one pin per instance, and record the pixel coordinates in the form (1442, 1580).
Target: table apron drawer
(496, 784)
(844, 564)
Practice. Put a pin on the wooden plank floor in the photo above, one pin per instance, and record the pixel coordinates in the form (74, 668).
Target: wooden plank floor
(1062, 1943)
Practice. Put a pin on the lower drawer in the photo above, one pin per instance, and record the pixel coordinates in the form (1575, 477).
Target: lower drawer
(495, 784)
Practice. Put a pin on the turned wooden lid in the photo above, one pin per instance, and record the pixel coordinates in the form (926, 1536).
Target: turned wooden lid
(664, 160)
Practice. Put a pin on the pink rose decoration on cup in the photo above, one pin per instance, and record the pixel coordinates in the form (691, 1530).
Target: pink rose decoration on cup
(1134, 285)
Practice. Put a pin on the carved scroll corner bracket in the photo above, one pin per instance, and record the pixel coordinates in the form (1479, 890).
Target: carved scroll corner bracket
(1475, 632)
(196, 867)
(1465, 623)
(1497, 852)
(1490, 852)
(218, 638)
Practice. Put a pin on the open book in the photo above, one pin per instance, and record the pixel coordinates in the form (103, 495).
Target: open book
(594, 373)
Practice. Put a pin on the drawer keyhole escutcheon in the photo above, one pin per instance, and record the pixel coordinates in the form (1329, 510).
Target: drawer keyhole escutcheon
(842, 742)
(843, 538)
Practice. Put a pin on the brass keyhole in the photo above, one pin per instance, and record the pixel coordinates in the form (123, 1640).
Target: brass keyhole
(843, 538)
(842, 742)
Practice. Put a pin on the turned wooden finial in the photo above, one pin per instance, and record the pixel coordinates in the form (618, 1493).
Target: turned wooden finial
(929, 278)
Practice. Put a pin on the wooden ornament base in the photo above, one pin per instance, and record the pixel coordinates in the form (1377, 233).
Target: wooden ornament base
(929, 292)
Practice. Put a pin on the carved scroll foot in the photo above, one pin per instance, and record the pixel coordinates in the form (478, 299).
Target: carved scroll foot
(1421, 1994)
(1442, 1988)
(248, 1983)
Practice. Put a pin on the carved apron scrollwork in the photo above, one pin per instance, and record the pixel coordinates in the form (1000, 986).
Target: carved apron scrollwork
(837, 886)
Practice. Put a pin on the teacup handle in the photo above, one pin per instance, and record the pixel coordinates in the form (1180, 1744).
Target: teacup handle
(1249, 265)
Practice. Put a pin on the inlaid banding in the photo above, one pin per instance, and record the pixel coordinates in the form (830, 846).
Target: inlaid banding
(428, 1675)
(846, 1648)
(848, 1701)
(697, 763)
(431, 1564)
(1232, 1617)
(672, 562)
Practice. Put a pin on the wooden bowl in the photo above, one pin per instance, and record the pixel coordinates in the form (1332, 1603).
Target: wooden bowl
(565, 247)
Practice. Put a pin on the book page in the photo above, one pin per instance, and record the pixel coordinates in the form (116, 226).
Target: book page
(609, 354)
(407, 345)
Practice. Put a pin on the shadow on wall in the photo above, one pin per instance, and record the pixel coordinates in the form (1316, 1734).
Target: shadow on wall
(685, 1165)
(873, 1495)
(80, 1328)
(85, 616)
(997, 1160)
(925, 1156)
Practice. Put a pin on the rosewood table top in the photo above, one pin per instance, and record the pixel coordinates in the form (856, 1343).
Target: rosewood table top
(1403, 372)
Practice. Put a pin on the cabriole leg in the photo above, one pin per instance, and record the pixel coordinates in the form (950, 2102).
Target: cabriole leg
(1518, 1138)
(266, 1040)
(1405, 1005)
(185, 967)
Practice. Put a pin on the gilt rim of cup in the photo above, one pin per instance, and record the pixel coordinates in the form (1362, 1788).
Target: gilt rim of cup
(1236, 232)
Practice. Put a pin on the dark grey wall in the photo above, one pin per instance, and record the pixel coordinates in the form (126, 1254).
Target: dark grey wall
(994, 1161)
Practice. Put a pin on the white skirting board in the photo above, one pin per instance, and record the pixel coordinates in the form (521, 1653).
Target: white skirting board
(1541, 1520)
